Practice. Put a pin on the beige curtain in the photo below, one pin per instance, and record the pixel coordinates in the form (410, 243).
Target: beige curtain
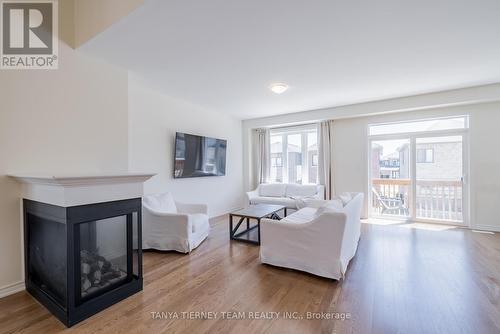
(262, 155)
(325, 157)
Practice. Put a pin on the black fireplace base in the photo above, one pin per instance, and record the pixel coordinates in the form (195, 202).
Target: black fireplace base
(87, 310)
(55, 239)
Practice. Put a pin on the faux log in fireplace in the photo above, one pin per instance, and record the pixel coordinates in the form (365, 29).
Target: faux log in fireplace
(82, 259)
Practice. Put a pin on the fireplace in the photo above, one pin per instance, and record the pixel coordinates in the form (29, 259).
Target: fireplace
(82, 242)
(82, 259)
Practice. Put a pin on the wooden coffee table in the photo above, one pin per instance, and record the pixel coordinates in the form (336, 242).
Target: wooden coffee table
(253, 212)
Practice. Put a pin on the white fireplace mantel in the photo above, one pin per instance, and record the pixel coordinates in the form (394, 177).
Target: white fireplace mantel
(72, 190)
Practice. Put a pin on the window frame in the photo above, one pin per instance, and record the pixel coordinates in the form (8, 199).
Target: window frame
(304, 131)
(415, 121)
(413, 136)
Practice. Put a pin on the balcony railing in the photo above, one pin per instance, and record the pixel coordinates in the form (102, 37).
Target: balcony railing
(439, 200)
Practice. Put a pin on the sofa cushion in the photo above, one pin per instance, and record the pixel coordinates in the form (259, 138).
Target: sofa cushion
(288, 202)
(299, 190)
(335, 205)
(272, 190)
(302, 216)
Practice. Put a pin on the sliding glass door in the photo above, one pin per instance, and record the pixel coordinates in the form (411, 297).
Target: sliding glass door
(419, 175)
(390, 183)
(439, 178)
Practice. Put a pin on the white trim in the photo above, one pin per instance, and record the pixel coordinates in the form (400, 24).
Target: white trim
(69, 191)
(425, 119)
(11, 289)
(294, 128)
(82, 180)
(420, 134)
(489, 228)
(412, 206)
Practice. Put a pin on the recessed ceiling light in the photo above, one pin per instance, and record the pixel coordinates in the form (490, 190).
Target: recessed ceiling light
(279, 88)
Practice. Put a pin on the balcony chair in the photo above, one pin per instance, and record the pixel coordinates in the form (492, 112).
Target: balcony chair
(391, 206)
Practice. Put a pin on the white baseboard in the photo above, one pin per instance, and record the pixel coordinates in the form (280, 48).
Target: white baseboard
(11, 289)
(489, 228)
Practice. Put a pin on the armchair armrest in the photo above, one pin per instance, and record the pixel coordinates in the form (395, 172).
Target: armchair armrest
(252, 194)
(315, 202)
(192, 208)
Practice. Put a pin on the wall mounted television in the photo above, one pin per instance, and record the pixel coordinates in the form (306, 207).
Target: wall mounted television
(198, 156)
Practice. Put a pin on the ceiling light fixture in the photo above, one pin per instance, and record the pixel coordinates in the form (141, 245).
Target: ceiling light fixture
(278, 88)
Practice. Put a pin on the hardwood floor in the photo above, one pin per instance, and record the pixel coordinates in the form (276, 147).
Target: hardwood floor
(404, 279)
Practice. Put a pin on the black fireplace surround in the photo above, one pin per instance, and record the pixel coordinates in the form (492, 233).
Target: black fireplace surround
(80, 260)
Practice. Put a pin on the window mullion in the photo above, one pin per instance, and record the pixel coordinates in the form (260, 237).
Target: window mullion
(305, 159)
(284, 141)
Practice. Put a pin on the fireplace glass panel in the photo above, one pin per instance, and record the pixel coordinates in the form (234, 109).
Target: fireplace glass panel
(103, 255)
(47, 256)
(135, 246)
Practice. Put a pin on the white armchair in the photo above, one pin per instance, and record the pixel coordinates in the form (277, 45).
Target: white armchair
(170, 225)
(321, 241)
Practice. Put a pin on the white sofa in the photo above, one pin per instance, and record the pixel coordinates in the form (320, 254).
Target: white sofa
(320, 241)
(170, 225)
(292, 196)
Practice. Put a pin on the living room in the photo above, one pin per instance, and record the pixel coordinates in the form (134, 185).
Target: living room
(249, 166)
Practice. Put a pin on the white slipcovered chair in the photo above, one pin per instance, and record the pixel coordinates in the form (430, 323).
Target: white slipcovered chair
(170, 225)
(320, 240)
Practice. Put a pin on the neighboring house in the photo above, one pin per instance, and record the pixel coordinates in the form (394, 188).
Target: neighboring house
(294, 163)
(389, 166)
(435, 160)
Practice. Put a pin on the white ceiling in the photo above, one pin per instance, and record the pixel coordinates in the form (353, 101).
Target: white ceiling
(224, 54)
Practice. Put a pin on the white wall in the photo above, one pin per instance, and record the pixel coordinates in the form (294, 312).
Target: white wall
(351, 150)
(153, 120)
(70, 120)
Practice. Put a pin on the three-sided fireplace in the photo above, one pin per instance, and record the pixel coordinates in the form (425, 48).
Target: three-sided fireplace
(82, 259)
(82, 241)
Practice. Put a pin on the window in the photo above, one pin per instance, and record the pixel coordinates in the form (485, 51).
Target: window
(425, 155)
(438, 124)
(294, 155)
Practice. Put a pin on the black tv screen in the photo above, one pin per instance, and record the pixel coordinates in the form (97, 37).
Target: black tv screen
(197, 156)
